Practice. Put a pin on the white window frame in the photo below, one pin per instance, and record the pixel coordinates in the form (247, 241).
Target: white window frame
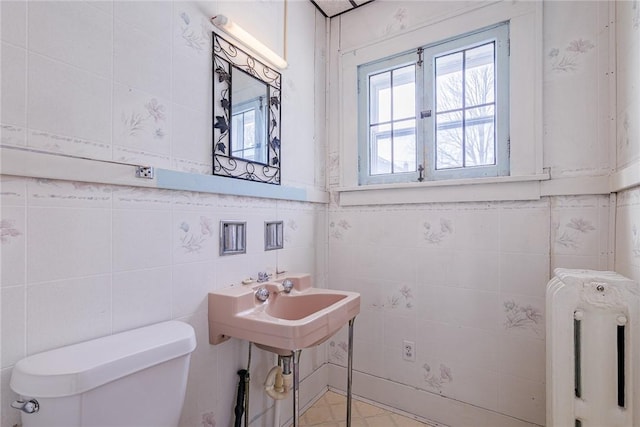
(525, 100)
(387, 64)
(258, 106)
(426, 151)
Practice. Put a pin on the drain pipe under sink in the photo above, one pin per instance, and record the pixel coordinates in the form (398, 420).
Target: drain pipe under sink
(278, 383)
(279, 379)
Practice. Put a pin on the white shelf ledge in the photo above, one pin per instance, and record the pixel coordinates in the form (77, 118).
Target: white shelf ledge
(37, 164)
(626, 177)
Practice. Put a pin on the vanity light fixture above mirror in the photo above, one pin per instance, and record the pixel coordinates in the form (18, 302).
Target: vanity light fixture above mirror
(238, 33)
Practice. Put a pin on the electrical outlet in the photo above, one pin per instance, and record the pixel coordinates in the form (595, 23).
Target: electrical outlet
(409, 351)
(144, 172)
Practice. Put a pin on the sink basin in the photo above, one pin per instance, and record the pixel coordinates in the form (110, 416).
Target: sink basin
(284, 322)
(296, 307)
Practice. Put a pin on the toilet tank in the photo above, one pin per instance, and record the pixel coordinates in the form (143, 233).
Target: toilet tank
(134, 378)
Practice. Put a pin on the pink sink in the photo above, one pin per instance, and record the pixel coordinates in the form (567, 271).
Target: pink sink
(284, 322)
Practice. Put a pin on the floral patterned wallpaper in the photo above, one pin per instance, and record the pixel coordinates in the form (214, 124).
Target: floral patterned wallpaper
(119, 257)
(8, 231)
(461, 279)
(568, 58)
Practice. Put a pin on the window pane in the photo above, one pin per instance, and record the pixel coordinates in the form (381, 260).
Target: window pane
(244, 142)
(449, 140)
(380, 149)
(480, 137)
(479, 71)
(404, 92)
(449, 82)
(249, 129)
(236, 134)
(380, 98)
(463, 90)
(404, 146)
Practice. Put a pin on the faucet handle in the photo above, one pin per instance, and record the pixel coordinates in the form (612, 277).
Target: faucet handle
(287, 285)
(262, 293)
(29, 407)
(263, 276)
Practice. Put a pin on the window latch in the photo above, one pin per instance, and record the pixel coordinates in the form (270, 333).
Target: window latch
(420, 173)
(425, 113)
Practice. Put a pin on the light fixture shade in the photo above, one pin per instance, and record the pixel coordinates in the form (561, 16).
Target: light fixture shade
(237, 32)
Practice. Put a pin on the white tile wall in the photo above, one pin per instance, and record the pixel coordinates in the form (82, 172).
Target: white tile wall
(132, 82)
(141, 239)
(481, 268)
(628, 234)
(13, 324)
(192, 80)
(192, 28)
(576, 86)
(521, 396)
(627, 89)
(85, 260)
(188, 129)
(477, 301)
(627, 237)
(14, 111)
(67, 242)
(190, 283)
(141, 122)
(194, 237)
(65, 104)
(153, 18)
(141, 297)
(90, 52)
(7, 418)
(467, 286)
(14, 19)
(67, 311)
(13, 245)
(579, 234)
(524, 274)
(465, 281)
(141, 61)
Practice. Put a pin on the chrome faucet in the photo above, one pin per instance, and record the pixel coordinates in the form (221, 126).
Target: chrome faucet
(263, 276)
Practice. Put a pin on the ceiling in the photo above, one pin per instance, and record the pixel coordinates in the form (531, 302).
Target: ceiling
(331, 8)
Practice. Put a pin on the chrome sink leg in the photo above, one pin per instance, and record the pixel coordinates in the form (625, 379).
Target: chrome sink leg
(349, 371)
(296, 387)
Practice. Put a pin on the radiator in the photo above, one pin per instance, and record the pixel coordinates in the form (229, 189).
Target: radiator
(592, 349)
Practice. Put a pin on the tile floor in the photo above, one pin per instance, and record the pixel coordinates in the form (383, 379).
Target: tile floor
(330, 411)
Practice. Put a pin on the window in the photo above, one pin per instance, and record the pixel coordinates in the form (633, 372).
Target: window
(247, 131)
(438, 112)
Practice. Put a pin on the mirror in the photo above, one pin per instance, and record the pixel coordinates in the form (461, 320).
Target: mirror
(246, 115)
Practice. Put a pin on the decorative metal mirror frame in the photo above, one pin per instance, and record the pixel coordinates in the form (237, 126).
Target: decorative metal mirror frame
(226, 55)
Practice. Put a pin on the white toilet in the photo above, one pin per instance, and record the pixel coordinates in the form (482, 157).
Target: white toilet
(136, 378)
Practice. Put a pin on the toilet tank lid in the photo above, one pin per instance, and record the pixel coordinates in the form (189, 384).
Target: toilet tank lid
(77, 368)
